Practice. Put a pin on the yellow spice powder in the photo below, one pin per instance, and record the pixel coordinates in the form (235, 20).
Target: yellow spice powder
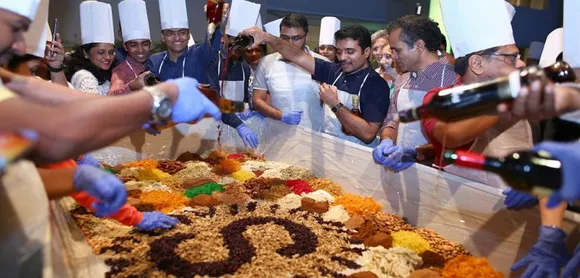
(410, 240)
(243, 176)
(152, 174)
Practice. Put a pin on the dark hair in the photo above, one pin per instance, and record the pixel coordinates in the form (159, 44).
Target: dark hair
(443, 41)
(264, 49)
(462, 63)
(295, 21)
(355, 32)
(77, 61)
(414, 28)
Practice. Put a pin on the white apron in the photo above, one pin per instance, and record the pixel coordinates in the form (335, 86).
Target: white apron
(292, 88)
(411, 134)
(332, 124)
(232, 90)
(24, 223)
(496, 143)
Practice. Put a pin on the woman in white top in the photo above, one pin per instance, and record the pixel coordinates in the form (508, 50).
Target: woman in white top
(90, 66)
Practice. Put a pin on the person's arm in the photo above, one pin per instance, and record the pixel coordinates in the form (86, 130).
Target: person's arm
(360, 128)
(456, 134)
(262, 104)
(57, 182)
(118, 86)
(552, 217)
(56, 61)
(288, 50)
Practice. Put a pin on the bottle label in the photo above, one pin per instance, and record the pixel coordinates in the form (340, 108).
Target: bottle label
(515, 84)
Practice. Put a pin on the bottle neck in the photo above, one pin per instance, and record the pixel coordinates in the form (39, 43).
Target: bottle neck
(473, 160)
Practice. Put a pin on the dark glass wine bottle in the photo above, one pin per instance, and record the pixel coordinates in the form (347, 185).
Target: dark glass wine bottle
(355, 110)
(151, 79)
(468, 101)
(537, 173)
(213, 14)
(242, 42)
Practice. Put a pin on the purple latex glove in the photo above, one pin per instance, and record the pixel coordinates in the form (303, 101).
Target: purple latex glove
(103, 186)
(246, 115)
(155, 220)
(249, 137)
(292, 117)
(571, 269)
(547, 256)
(191, 104)
(518, 200)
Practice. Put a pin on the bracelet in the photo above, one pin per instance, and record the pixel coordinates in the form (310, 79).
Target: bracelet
(51, 69)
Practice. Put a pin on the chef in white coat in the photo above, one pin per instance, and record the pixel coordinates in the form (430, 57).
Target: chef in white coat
(283, 90)
(484, 50)
(326, 43)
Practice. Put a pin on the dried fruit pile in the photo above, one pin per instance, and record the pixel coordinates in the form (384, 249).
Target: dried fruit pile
(241, 216)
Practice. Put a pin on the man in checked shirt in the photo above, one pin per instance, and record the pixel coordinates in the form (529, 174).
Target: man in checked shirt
(415, 42)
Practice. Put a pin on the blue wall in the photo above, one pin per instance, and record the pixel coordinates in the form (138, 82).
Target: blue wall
(534, 25)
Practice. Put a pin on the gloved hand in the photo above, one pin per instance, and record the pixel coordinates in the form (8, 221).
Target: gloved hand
(155, 219)
(292, 117)
(105, 187)
(571, 269)
(569, 155)
(246, 115)
(379, 151)
(396, 158)
(191, 104)
(547, 256)
(88, 159)
(518, 200)
(248, 136)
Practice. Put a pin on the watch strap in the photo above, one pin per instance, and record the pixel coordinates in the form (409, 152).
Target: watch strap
(337, 107)
(157, 96)
(51, 69)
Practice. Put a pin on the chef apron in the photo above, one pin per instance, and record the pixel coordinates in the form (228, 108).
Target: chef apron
(232, 90)
(292, 89)
(333, 126)
(496, 143)
(411, 134)
(24, 222)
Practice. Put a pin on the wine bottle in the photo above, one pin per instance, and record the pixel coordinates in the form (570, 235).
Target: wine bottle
(537, 173)
(355, 110)
(213, 13)
(151, 79)
(242, 42)
(468, 101)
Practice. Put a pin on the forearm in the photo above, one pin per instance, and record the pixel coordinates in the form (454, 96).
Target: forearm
(59, 78)
(552, 217)
(292, 53)
(457, 134)
(389, 133)
(45, 93)
(57, 182)
(358, 126)
(265, 108)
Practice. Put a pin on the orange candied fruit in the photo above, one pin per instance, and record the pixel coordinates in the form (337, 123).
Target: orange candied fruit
(227, 167)
(358, 205)
(146, 163)
(469, 267)
(164, 201)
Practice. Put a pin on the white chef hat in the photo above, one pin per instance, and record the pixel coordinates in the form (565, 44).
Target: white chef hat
(469, 26)
(134, 20)
(273, 27)
(25, 8)
(97, 23)
(535, 51)
(35, 37)
(243, 15)
(553, 47)
(328, 26)
(173, 14)
(511, 10)
(572, 32)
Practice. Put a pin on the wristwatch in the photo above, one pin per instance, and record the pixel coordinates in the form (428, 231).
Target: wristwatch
(51, 69)
(335, 108)
(420, 155)
(161, 107)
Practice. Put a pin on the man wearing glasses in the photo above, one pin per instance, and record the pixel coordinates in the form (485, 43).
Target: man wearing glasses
(283, 90)
(483, 52)
(179, 60)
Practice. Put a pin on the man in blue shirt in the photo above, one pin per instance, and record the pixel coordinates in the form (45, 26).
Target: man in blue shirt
(179, 60)
(342, 84)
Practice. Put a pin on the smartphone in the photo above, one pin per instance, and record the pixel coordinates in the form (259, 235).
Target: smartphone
(54, 32)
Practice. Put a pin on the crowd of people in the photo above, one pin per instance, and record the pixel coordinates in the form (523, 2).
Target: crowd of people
(98, 94)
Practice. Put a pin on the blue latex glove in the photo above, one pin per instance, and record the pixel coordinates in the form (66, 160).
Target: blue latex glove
(396, 158)
(105, 187)
(547, 256)
(292, 117)
(518, 200)
(246, 115)
(571, 269)
(569, 155)
(155, 219)
(378, 152)
(88, 159)
(248, 136)
(191, 104)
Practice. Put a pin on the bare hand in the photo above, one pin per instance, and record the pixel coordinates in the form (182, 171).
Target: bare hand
(139, 81)
(534, 102)
(329, 95)
(259, 35)
(56, 59)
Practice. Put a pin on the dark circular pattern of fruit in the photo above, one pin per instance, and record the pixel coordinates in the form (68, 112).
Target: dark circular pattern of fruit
(162, 251)
(123, 239)
(234, 209)
(251, 206)
(346, 262)
(117, 249)
(117, 266)
(182, 219)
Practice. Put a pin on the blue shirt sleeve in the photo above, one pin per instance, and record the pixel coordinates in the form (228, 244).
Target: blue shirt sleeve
(325, 71)
(212, 75)
(375, 99)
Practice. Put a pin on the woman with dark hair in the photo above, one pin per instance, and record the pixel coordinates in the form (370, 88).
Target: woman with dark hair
(90, 66)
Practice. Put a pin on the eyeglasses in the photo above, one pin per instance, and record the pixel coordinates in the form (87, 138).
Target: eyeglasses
(171, 33)
(295, 38)
(510, 59)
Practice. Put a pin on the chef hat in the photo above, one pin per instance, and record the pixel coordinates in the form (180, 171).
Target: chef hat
(243, 15)
(273, 27)
(97, 23)
(173, 14)
(535, 51)
(35, 37)
(572, 32)
(134, 20)
(511, 10)
(469, 26)
(553, 47)
(328, 26)
(25, 8)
